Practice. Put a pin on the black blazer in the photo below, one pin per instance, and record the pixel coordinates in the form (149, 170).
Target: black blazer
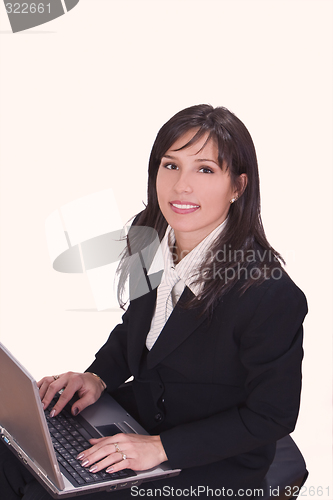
(218, 389)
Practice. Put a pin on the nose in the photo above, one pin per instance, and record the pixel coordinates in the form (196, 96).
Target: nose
(183, 183)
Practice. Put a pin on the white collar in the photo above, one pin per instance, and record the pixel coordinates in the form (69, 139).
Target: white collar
(188, 267)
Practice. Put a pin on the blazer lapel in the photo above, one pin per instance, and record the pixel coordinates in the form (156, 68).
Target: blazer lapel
(181, 323)
(142, 310)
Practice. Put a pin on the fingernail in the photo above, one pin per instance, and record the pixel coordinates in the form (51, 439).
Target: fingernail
(85, 463)
(43, 406)
(52, 413)
(76, 411)
(79, 457)
(109, 469)
(93, 469)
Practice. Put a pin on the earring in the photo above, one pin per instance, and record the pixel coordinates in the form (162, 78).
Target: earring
(234, 199)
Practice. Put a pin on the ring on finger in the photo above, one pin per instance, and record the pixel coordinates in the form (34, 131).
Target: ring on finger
(123, 456)
(55, 377)
(117, 447)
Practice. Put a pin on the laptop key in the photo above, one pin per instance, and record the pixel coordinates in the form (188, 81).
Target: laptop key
(104, 475)
(87, 478)
(78, 478)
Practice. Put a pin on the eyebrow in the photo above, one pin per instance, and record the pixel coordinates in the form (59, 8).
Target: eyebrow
(207, 159)
(197, 159)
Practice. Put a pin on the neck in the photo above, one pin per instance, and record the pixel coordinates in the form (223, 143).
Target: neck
(187, 241)
(183, 246)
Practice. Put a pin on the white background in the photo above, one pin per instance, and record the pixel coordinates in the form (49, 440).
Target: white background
(82, 99)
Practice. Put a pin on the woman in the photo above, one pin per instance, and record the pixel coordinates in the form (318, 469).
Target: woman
(216, 350)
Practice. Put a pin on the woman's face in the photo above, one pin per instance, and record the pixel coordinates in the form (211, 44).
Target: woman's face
(193, 192)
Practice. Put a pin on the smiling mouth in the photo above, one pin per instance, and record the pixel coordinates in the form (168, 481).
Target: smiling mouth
(183, 208)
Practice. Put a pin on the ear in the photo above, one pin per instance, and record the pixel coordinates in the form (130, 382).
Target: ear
(241, 184)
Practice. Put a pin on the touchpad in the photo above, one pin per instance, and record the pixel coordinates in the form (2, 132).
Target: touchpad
(109, 430)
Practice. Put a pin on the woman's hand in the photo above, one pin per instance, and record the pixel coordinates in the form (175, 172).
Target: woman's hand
(123, 451)
(88, 387)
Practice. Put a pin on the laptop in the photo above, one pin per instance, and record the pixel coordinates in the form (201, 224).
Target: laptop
(50, 453)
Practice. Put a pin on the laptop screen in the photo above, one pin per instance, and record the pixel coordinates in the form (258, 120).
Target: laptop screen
(22, 416)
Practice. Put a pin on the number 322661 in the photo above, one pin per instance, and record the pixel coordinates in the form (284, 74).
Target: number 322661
(24, 8)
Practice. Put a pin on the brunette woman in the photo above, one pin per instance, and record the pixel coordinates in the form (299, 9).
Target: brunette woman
(216, 349)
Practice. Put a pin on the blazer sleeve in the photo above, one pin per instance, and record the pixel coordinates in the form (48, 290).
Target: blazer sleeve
(111, 360)
(270, 349)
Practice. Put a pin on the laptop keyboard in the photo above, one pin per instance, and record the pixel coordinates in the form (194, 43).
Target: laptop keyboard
(70, 438)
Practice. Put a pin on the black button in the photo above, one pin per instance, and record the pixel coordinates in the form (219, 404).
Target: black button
(158, 417)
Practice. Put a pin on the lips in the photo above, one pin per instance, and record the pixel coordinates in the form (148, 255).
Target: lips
(183, 207)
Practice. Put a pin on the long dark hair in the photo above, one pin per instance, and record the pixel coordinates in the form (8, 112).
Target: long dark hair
(241, 254)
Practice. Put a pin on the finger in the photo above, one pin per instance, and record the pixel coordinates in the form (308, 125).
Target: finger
(100, 444)
(124, 463)
(43, 386)
(88, 388)
(103, 459)
(116, 439)
(112, 463)
(116, 443)
(87, 453)
(82, 403)
(69, 390)
(95, 441)
(50, 387)
(40, 382)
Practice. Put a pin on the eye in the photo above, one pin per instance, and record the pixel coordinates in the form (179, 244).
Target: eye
(206, 170)
(170, 166)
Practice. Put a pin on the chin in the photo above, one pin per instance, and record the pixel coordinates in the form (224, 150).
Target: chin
(185, 227)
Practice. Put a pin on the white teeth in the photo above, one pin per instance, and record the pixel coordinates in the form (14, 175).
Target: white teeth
(184, 207)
